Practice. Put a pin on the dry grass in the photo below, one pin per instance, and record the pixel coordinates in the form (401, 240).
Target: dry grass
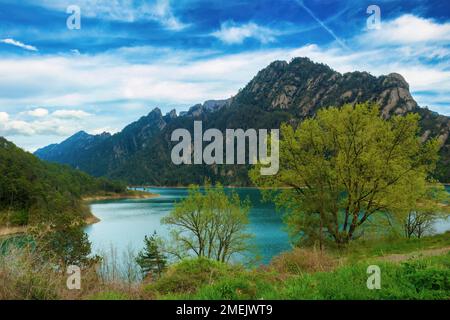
(25, 276)
(301, 260)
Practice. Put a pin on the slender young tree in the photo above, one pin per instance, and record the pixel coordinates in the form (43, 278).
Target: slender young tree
(152, 259)
(210, 223)
(433, 204)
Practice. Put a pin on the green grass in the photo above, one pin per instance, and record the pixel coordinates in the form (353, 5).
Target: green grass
(422, 279)
(109, 295)
(367, 249)
(427, 278)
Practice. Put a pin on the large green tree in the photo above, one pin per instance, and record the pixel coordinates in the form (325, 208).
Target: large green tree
(209, 223)
(344, 168)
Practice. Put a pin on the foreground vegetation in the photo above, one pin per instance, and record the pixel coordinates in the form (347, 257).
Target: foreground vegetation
(427, 278)
(299, 274)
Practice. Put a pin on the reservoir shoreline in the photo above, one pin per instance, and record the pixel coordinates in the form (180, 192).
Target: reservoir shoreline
(91, 219)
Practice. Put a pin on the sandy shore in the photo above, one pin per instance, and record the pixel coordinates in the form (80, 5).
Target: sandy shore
(8, 231)
(122, 196)
(134, 195)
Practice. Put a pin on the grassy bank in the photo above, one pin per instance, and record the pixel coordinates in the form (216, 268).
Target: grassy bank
(423, 278)
(410, 269)
(363, 249)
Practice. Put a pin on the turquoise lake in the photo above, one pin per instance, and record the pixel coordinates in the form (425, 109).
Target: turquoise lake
(124, 223)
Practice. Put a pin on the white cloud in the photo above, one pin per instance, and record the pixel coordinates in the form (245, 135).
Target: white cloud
(18, 44)
(19, 127)
(70, 114)
(162, 12)
(408, 29)
(232, 33)
(101, 130)
(4, 117)
(38, 112)
(58, 123)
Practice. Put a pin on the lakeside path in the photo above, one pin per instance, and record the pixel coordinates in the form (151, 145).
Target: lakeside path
(400, 257)
(9, 231)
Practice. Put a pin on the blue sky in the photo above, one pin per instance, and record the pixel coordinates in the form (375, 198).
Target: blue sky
(131, 56)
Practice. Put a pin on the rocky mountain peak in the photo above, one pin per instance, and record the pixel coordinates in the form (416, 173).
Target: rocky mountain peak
(80, 134)
(207, 106)
(156, 112)
(172, 114)
(303, 87)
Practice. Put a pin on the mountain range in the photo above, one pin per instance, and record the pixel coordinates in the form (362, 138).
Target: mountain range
(281, 92)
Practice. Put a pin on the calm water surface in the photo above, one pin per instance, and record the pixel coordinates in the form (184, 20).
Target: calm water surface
(124, 223)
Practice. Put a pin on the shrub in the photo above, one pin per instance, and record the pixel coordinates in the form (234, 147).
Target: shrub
(188, 275)
(241, 286)
(19, 218)
(23, 276)
(424, 276)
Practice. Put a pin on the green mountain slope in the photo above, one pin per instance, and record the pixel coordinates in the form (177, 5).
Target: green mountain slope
(33, 191)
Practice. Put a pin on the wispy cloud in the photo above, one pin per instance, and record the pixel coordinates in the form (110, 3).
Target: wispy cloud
(163, 13)
(70, 114)
(322, 24)
(38, 112)
(124, 10)
(18, 44)
(187, 78)
(233, 33)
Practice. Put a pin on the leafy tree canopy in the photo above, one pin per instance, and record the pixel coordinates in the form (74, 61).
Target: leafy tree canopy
(345, 167)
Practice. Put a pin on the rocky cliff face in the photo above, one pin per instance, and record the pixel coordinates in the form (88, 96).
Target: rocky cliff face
(302, 87)
(281, 92)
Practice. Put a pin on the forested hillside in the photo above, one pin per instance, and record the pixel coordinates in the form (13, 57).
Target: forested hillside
(33, 191)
